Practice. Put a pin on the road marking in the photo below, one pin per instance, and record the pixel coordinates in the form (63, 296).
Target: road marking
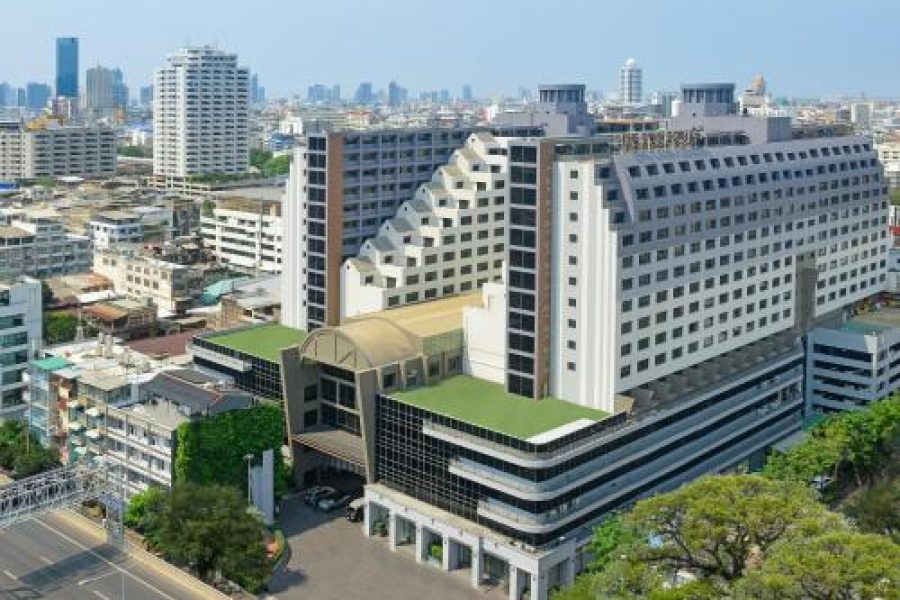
(101, 595)
(97, 578)
(45, 559)
(10, 575)
(75, 542)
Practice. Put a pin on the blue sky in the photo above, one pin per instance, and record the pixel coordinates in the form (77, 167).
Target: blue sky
(803, 47)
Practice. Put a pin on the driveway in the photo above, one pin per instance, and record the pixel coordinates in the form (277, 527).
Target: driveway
(332, 560)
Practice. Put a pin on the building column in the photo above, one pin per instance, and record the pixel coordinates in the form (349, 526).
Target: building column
(477, 564)
(392, 530)
(449, 558)
(568, 572)
(367, 519)
(515, 583)
(420, 544)
(539, 586)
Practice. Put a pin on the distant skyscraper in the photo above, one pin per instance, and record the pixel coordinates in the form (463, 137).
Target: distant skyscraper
(257, 92)
(7, 95)
(194, 136)
(364, 93)
(67, 67)
(467, 93)
(37, 95)
(146, 96)
(396, 94)
(335, 93)
(105, 92)
(630, 82)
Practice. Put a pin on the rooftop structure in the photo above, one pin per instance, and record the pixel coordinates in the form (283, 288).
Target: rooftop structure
(488, 405)
(263, 341)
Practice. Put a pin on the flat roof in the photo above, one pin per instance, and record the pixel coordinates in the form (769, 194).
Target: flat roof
(488, 405)
(51, 363)
(262, 341)
(874, 322)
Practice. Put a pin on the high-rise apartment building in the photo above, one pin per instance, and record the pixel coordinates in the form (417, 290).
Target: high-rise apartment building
(146, 95)
(201, 101)
(105, 92)
(630, 85)
(343, 186)
(67, 67)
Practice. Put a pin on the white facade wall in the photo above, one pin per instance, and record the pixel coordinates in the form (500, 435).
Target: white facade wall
(20, 338)
(448, 239)
(293, 257)
(484, 329)
(848, 369)
(691, 275)
(139, 449)
(105, 233)
(247, 240)
(75, 151)
(201, 101)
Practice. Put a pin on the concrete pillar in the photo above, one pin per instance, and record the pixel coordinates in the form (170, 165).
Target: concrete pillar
(539, 586)
(568, 572)
(392, 530)
(367, 520)
(449, 557)
(420, 544)
(477, 564)
(515, 583)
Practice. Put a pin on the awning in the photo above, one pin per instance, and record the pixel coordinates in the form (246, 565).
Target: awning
(93, 434)
(93, 412)
(334, 442)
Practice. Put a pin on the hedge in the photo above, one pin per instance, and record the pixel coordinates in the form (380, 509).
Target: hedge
(212, 450)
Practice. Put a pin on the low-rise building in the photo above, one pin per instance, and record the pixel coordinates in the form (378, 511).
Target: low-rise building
(35, 242)
(141, 433)
(46, 149)
(171, 287)
(249, 356)
(243, 229)
(20, 337)
(124, 319)
(855, 361)
(114, 227)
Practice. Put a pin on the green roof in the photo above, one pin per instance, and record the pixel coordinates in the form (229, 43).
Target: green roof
(262, 341)
(51, 363)
(489, 405)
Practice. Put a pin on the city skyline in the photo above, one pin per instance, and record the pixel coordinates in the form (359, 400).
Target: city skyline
(662, 44)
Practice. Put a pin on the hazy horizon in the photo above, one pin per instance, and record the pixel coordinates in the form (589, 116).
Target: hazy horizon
(804, 48)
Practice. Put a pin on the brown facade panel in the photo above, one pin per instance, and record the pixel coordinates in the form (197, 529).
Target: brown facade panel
(334, 228)
(544, 256)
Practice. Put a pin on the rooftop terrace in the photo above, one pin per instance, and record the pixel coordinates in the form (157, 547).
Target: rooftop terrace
(874, 322)
(263, 341)
(489, 405)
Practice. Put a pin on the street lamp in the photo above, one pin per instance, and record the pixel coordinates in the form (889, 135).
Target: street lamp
(249, 458)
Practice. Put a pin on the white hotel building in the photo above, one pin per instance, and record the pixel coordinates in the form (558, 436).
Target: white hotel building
(448, 239)
(664, 278)
(201, 100)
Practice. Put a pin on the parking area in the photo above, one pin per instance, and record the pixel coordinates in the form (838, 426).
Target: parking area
(331, 559)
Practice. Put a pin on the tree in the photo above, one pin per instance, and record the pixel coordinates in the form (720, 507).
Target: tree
(877, 509)
(277, 165)
(59, 327)
(840, 565)
(144, 509)
(716, 525)
(258, 157)
(209, 528)
(610, 536)
(36, 459)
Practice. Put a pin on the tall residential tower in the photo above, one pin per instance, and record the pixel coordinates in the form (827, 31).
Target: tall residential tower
(201, 102)
(67, 67)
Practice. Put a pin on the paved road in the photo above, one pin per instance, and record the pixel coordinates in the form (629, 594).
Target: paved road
(332, 560)
(57, 557)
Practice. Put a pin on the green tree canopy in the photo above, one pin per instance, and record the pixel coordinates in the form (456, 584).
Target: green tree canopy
(833, 566)
(210, 529)
(876, 509)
